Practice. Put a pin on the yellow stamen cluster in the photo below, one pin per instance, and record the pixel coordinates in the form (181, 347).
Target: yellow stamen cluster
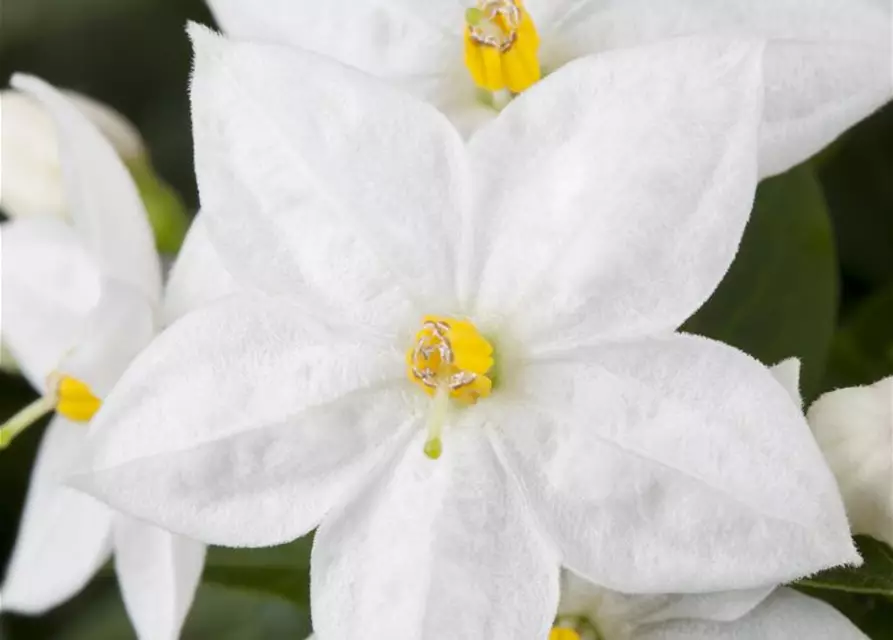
(449, 360)
(75, 400)
(452, 355)
(563, 633)
(501, 45)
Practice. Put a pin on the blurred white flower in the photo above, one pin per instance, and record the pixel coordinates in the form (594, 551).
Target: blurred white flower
(827, 65)
(459, 372)
(854, 428)
(29, 151)
(81, 297)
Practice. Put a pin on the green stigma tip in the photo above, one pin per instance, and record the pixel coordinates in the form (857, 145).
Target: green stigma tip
(433, 448)
(473, 16)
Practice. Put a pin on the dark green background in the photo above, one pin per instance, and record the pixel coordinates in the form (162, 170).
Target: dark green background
(814, 279)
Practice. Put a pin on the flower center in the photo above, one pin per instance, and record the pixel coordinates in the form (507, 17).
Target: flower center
(501, 46)
(67, 395)
(449, 359)
(563, 633)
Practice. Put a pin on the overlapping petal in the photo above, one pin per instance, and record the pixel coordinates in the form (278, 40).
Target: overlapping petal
(158, 573)
(49, 287)
(246, 421)
(64, 536)
(615, 192)
(435, 551)
(198, 276)
(672, 464)
(828, 64)
(297, 199)
(104, 202)
(784, 615)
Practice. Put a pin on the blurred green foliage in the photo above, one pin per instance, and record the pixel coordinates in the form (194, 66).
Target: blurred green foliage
(814, 279)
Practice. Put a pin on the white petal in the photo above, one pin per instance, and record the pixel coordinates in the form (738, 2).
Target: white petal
(32, 179)
(618, 188)
(117, 329)
(198, 276)
(64, 536)
(828, 63)
(787, 372)
(245, 422)
(620, 611)
(396, 39)
(317, 180)
(785, 615)
(854, 428)
(159, 573)
(674, 464)
(104, 202)
(49, 285)
(434, 550)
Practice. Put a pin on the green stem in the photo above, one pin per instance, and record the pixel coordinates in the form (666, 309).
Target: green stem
(24, 419)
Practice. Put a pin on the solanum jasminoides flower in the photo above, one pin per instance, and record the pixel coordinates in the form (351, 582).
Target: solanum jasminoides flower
(464, 376)
(854, 428)
(828, 63)
(81, 297)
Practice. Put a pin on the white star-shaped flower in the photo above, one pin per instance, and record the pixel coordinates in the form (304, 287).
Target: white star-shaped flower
(80, 300)
(854, 428)
(459, 360)
(827, 66)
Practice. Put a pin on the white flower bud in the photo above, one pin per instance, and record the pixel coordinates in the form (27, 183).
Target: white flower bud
(854, 428)
(32, 177)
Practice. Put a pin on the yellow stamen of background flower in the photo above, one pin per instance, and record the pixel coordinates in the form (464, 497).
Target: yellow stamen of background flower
(67, 396)
(563, 633)
(501, 45)
(449, 360)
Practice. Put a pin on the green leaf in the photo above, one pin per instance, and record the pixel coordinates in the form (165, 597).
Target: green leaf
(282, 571)
(857, 185)
(218, 612)
(874, 577)
(862, 351)
(779, 299)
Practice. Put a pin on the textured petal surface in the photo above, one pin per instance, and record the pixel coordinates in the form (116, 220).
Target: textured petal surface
(49, 286)
(674, 464)
(785, 615)
(828, 63)
(104, 202)
(158, 573)
(64, 536)
(319, 181)
(198, 276)
(435, 550)
(854, 428)
(245, 422)
(617, 190)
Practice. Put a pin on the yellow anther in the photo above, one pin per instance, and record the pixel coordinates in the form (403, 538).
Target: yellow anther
(563, 633)
(501, 45)
(75, 400)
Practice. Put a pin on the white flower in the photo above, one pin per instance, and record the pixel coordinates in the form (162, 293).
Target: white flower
(80, 300)
(588, 612)
(32, 175)
(854, 428)
(395, 273)
(828, 62)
